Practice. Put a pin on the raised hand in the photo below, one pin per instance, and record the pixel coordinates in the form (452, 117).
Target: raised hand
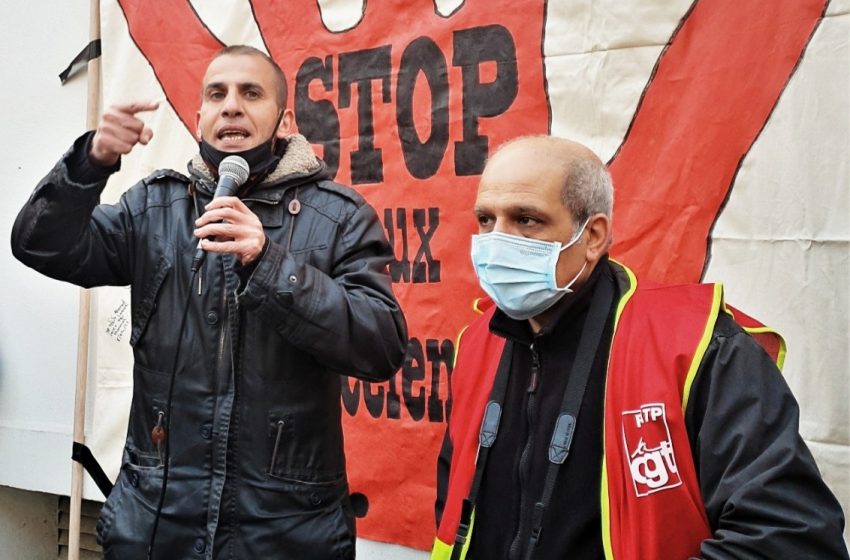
(119, 131)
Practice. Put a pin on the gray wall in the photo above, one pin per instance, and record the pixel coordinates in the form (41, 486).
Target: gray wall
(28, 524)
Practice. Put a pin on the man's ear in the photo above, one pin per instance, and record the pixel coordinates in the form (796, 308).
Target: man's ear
(286, 126)
(198, 126)
(599, 237)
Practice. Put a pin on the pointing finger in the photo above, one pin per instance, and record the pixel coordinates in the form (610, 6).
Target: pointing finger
(138, 106)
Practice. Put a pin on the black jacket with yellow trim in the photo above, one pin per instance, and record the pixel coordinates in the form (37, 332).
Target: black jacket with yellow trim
(761, 488)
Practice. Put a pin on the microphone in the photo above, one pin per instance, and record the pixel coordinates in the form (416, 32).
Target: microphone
(233, 171)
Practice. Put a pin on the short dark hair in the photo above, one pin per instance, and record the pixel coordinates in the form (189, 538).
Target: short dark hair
(280, 79)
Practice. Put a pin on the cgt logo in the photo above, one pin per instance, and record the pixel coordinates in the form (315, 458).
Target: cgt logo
(649, 449)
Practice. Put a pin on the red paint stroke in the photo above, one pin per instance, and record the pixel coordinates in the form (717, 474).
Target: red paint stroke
(713, 90)
(178, 46)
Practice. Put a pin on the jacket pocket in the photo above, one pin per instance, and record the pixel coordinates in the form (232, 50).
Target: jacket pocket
(145, 446)
(311, 233)
(279, 429)
(107, 512)
(307, 521)
(295, 450)
(124, 526)
(147, 300)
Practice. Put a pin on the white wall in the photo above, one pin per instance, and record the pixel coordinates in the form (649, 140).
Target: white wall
(38, 322)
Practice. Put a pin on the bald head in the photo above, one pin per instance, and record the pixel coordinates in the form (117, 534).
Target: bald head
(279, 78)
(552, 190)
(557, 151)
(586, 185)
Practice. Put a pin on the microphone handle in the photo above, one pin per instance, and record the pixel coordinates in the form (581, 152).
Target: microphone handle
(226, 186)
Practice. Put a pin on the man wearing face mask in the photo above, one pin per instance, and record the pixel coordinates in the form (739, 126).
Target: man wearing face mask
(596, 415)
(234, 446)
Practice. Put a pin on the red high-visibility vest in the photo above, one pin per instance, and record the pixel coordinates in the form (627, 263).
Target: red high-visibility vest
(650, 497)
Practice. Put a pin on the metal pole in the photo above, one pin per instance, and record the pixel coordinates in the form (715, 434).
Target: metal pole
(92, 114)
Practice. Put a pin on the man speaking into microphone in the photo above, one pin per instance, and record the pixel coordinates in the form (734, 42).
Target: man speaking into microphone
(234, 446)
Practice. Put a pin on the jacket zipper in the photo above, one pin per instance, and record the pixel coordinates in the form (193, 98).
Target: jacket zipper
(525, 457)
(280, 426)
(222, 338)
(226, 323)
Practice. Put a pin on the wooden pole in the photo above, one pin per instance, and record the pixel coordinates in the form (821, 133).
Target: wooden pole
(92, 115)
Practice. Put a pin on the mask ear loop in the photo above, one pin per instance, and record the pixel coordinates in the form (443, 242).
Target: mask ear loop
(569, 287)
(274, 130)
(576, 236)
(573, 241)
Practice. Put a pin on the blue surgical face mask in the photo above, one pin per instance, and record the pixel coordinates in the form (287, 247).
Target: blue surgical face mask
(519, 273)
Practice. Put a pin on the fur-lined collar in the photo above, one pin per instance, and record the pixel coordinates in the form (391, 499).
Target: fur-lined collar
(298, 159)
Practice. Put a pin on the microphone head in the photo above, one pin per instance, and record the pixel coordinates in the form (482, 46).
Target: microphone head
(236, 168)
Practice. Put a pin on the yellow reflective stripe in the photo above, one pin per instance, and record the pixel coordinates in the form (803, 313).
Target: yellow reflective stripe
(780, 357)
(457, 345)
(627, 296)
(606, 514)
(603, 494)
(703, 343)
(476, 306)
(443, 551)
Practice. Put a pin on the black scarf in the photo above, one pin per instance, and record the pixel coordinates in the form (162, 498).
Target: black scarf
(262, 159)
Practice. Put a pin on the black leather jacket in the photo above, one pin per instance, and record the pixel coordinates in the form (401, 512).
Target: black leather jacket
(257, 468)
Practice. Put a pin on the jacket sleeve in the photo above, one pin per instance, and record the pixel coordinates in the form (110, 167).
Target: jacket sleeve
(347, 317)
(762, 490)
(62, 231)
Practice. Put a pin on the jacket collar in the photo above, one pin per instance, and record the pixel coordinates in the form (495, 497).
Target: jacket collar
(297, 164)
